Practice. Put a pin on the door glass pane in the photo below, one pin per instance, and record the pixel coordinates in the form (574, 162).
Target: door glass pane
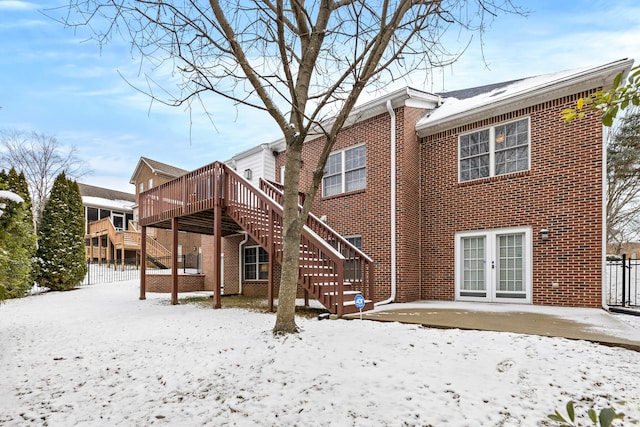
(118, 222)
(473, 264)
(510, 265)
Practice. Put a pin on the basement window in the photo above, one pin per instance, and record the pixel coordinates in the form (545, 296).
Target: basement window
(256, 263)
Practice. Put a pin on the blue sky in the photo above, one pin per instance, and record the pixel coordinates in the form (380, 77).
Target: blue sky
(54, 81)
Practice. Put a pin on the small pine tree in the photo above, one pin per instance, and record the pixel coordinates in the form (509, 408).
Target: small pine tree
(17, 239)
(60, 255)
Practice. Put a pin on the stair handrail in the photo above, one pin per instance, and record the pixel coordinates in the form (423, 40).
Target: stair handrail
(102, 225)
(366, 272)
(274, 203)
(328, 292)
(317, 220)
(191, 192)
(160, 250)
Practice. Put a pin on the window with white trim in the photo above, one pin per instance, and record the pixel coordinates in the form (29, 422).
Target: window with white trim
(345, 171)
(256, 263)
(497, 150)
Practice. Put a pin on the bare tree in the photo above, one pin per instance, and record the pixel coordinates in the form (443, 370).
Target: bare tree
(305, 63)
(42, 158)
(623, 180)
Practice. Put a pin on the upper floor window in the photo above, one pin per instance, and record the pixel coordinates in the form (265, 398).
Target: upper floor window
(497, 150)
(345, 171)
(141, 187)
(150, 184)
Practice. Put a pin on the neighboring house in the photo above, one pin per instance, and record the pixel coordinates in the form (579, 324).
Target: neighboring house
(109, 215)
(483, 194)
(630, 249)
(149, 174)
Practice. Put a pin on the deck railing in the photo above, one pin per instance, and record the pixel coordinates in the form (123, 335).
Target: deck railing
(324, 254)
(359, 267)
(120, 238)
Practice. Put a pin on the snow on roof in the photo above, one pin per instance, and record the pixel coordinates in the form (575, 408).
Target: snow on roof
(8, 195)
(495, 96)
(99, 202)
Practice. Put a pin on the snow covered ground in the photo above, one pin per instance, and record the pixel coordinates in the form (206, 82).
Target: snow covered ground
(98, 356)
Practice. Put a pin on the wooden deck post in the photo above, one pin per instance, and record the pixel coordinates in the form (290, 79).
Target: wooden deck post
(109, 259)
(217, 238)
(143, 258)
(271, 252)
(174, 261)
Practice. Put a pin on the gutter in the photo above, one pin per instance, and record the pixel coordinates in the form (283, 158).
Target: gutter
(584, 79)
(392, 141)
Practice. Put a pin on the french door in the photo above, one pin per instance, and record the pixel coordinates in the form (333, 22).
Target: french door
(494, 265)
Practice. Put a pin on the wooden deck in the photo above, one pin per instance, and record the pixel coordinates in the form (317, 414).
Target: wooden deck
(214, 200)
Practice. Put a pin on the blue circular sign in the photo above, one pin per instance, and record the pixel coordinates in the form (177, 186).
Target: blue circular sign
(359, 301)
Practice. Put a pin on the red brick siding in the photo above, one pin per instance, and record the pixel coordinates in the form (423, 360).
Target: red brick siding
(561, 192)
(367, 212)
(161, 283)
(408, 206)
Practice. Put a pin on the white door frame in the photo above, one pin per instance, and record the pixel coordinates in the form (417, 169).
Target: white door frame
(491, 261)
(119, 215)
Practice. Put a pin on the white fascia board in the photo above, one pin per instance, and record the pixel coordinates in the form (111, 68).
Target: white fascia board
(136, 171)
(405, 97)
(583, 80)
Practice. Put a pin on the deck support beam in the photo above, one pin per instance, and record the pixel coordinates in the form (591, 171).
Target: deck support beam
(174, 261)
(143, 263)
(271, 251)
(217, 243)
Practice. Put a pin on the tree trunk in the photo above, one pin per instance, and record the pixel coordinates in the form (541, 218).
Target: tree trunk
(292, 228)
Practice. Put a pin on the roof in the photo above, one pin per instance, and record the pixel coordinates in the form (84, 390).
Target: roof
(406, 96)
(106, 198)
(157, 168)
(474, 91)
(105, 193)
(469, 105)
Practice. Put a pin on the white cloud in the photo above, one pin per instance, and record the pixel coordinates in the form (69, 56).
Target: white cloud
(17, 5)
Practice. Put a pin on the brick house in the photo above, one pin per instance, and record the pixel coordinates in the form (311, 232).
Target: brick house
(482, 194)
(148, 174)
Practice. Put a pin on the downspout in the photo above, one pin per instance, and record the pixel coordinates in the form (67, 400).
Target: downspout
(605, 137)
(240, 248)
(392, 129)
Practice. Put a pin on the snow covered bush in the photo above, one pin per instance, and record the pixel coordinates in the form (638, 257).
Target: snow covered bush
(17, 237)
(61, 248)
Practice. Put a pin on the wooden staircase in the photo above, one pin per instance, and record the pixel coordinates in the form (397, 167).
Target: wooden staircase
(125, 239)
(331, 269)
